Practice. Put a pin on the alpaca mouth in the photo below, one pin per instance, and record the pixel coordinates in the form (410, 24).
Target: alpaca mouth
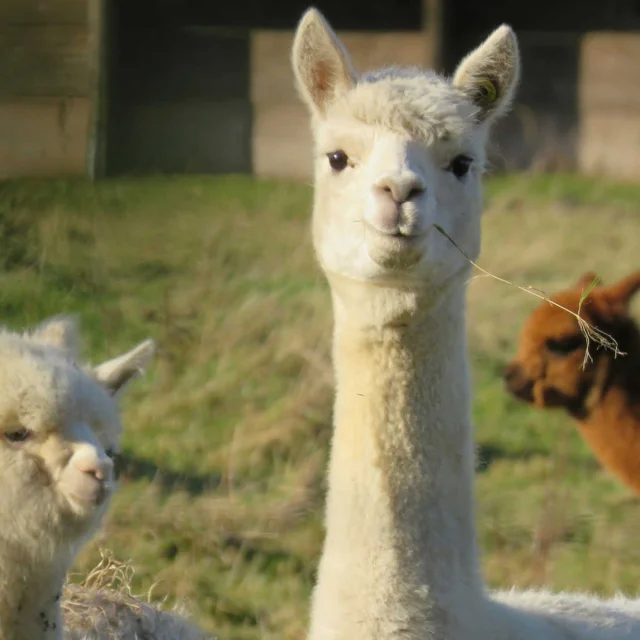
(520, 388)
(403, 232)
(87, 501)
(397, 250)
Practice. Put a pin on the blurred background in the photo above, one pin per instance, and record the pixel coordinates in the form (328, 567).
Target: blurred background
(107, 105)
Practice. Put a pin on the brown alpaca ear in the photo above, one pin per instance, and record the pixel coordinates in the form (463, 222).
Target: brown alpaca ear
(586, 280)
(620, 293)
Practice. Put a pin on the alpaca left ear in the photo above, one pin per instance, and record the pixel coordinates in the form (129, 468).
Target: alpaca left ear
(489, 74)
(620, 293)
(116, 374)
(61, 332)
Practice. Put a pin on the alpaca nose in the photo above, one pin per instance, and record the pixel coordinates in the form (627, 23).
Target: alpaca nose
(93, 463)
(518, 383)
(510, 372)
(401, 187)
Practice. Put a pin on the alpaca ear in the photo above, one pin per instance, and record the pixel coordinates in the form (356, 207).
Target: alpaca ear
(489, 74)
(620, 293)
(60, 332)
(321, 65)
(586, 280)
(117, 373)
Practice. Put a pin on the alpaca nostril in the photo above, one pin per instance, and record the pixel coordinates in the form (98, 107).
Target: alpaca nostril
(99, 469)
(401, 188)
(415, 192)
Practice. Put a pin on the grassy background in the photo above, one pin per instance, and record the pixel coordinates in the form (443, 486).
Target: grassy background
(220, 503)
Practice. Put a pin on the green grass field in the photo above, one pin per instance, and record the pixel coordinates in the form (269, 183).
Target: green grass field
(220, 504)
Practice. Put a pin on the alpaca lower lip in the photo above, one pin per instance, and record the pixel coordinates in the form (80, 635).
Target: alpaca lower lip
(523, 391)
(395, 252)
(92, 499)
(398, 234)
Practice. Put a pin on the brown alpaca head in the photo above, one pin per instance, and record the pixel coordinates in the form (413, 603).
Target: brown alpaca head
(548, 369)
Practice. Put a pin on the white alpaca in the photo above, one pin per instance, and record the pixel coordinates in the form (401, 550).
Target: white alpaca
(400, 152)
(59, 428)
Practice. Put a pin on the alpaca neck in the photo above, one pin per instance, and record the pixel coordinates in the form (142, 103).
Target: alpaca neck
(612, 429)
(30, 592)
(400, 548)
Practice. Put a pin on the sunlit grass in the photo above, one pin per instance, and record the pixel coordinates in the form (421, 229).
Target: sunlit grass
(221, 501)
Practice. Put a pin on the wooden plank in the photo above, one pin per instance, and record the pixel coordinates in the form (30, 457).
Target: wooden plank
(610, 143)
(271, 76)
(43, 137)
(44, 61)
(610, 73)
(98, 33)
(20, 12)
(281, 141)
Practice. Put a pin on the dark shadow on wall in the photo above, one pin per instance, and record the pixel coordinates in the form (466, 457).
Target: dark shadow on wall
(358, 15)
(178, 96)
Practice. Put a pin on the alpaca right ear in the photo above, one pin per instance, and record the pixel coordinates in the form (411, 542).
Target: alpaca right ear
(117, 373)
(321, 65)
(489, 74)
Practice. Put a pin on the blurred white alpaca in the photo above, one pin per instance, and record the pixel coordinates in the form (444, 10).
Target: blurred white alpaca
(59, 429)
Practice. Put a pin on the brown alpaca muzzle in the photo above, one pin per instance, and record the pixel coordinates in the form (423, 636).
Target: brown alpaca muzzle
(518, 384)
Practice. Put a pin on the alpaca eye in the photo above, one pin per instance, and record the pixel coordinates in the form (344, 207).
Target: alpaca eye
(564, 346)
(19, 435)
(460, 166)
(338, 160)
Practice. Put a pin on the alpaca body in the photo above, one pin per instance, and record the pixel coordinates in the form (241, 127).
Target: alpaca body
(29, 596)
(612, 431)
(603, 397)
(399, 156)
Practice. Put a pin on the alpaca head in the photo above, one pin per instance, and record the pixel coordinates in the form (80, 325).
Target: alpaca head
(548, 369)
(399, 152)
(59, 429)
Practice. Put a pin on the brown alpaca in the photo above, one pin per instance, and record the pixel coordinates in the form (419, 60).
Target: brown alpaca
(604, 397)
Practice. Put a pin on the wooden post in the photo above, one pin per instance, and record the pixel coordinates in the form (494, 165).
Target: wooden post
(432, 17)
(96, 139)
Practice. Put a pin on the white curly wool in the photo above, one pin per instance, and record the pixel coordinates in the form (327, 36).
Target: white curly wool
(103, 614)
(398, 160)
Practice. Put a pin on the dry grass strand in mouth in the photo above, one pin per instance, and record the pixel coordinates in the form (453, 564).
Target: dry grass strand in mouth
(591, 333)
